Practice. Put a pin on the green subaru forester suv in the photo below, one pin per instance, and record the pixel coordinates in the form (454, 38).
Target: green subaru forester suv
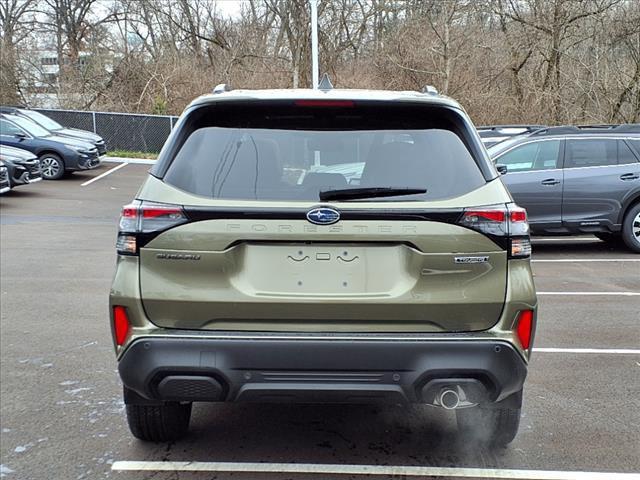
(323, 246)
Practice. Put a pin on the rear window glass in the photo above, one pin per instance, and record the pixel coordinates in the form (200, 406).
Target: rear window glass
(590, 153)
(635, 144)
(315, 154)
(625, 155)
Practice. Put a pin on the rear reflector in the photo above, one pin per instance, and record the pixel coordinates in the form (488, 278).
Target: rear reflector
(121, 325)
(524, 328)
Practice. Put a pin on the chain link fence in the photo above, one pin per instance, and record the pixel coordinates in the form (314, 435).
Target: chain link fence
(120, 131)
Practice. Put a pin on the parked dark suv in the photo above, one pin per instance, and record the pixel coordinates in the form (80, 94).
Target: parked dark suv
(57, 154)
(57, 129)
(576, 180)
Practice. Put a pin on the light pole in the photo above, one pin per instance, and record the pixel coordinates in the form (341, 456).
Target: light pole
(314, 42)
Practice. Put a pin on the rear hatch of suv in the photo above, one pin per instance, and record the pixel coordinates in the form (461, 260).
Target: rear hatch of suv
(321, 216)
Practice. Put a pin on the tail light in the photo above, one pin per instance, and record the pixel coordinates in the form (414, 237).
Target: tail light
(121, 324)
(507, 223)
(524, 328)
(141, 220)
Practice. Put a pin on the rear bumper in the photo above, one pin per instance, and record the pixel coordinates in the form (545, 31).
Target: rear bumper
(317, 371)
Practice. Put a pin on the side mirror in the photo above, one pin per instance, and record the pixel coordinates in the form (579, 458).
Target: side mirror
(502, 169)
(21, 136)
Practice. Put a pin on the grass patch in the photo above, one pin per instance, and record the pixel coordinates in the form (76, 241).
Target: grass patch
(132, 154)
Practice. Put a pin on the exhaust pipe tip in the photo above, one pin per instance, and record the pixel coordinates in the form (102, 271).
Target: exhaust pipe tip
(449, 399)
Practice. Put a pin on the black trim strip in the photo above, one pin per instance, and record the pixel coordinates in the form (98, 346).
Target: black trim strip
(235, 213)
(197, 214)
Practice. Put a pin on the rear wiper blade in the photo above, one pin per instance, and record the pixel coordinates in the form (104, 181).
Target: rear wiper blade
(367, 192)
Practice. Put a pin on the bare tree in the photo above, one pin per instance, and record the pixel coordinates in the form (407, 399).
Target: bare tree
(17, 23)
(547, 61)
(557, 21)
(293, 22)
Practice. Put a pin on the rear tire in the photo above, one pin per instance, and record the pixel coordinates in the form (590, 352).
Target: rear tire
(52, 166)
(631, 228)
(159, 423)
(493, 424)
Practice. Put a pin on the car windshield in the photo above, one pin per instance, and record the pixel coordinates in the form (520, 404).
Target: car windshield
(299, 164)
(42, 120)
(30, 127)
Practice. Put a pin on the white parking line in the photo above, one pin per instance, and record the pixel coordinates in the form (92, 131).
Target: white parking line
(623, 294)
(373, 470)
(584, 260)
(604, 351)
(102, 175)
(139, 161)
(568, 239)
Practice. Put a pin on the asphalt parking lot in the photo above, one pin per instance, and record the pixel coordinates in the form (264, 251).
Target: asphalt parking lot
(62, 416)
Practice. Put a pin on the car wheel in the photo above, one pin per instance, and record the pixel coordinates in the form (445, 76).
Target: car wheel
(494, 424)
(631, 228)
(159, 423)
(52, 166)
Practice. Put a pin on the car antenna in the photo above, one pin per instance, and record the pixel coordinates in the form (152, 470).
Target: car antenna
(430, 89)
(325, 83)
(221, 88)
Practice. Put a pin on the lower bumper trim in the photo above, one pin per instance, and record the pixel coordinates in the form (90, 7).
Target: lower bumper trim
(313, 371)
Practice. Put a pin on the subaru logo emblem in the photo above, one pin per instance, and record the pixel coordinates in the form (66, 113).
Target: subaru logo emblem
(323, 216)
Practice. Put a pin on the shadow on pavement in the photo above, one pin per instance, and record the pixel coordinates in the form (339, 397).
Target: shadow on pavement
(578, 247)
(346, 434)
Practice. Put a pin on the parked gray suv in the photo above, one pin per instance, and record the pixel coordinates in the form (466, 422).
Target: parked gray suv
(576, 180)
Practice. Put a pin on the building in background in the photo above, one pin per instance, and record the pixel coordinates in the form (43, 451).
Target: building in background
(47, 82)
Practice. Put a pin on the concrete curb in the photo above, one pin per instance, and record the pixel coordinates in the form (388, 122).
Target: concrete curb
(141, 161)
